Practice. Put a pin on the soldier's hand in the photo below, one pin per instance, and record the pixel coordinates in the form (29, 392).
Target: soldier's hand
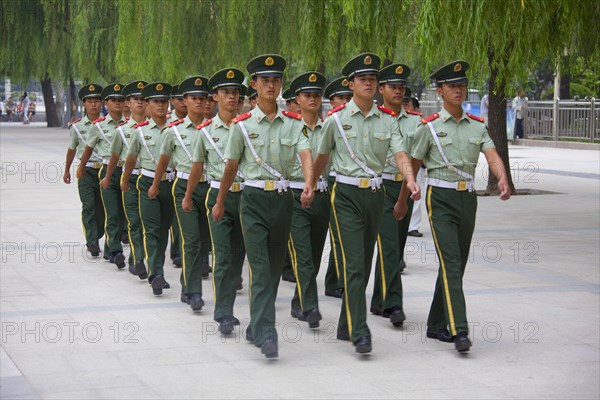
(67, 177)
(217, 212)
(153, 191)
(80, 172)
(307, 196)
(125, 186)
(186, 204)
(415, 190)
(400, 210)
(504, 189)
(105, 182)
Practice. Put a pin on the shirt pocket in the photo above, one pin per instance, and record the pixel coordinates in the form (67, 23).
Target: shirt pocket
(213, 155)
(341, 145)
(449, 150)
(259, 147)
(473, 149)
(381, 143)
(288, 150)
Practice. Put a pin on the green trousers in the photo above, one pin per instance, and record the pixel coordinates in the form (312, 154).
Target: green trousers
(157, 216)
(175, 248)
(193, 233)
(266, 219)
(307, 240)
(112, 200)
(228, 251)
(387, 288)
(333, 276)
(452, 219)
(357, 213)
(92, 210)
(131, 205)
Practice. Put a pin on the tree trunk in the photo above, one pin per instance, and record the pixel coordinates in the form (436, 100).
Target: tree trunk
(73, 100)
(51, 115)
(497, 126)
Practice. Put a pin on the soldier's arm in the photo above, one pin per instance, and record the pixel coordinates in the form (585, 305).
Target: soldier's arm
(68, 162)
(161, 168)
(497, 168)
(129, 166)
(110, 168)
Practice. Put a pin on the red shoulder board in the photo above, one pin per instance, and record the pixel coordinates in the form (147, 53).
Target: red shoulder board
(141, 124)
(475, 117)
(338, 108)
(122, 123)
(99, 120)
(414, 113)
(175, 123)
(241, 117)
(202, 125)
(291, 114)
(387, 111)
(76, 121)
(432, 117)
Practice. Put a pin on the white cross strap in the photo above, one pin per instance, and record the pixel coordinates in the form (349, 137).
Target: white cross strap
(180, 140)
(214, 146)
(353, 156)
(102, 133)
(82, 140)
(143, 140)
(446, 161)
(259, 161)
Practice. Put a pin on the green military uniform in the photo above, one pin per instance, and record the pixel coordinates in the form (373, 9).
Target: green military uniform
(309, 225)
(357, 196)
(266, 205)
(178, 143)
(156, 214)
(387, 288)
(227, 238)
(333, 283)
(120, 145)
(100, 138)
(92, 211)
(175, 234)
(451, 200)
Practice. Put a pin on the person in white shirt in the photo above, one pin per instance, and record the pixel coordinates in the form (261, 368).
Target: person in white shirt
(519, 103)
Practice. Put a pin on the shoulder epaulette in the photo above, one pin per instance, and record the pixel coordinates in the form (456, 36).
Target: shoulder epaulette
(76, 121)
(475, 117)
(99, 120)
(432, 117)
(179, 121)
(338, 108)
(291, 114)
(241, 117)
(387, 111)
(202, 125)
(141, 124)
(414, 113)
(122, 123)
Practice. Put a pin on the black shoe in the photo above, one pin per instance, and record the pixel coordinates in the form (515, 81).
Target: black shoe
(106, 257)
(462, 342)
(185, 298)
(288, 278)
(157, 284)
(375, 310)
(94, 249)
(196, 302)
(443, 335)
(119, 260)
(269, 348)
(139, 269)
(333, 293)
(131, 269)
(415, 233)
(343, 336)
(143, 276)
(297, 313)
(313, 317)
(177, 262)
(395, 314)
(166, 285)
(124, 238)
(363, 345)
(226, 324)
(205, 270)
(402, 265)
(249, 335)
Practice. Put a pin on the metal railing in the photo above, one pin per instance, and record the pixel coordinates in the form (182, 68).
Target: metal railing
(562, 119)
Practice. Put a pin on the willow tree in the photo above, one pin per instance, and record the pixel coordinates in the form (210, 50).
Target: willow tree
(503, 41)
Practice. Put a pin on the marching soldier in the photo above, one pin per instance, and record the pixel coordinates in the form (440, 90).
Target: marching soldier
(309, 225)
(387, 288)
(361, 134)
(264, 144)
(177, 147)
(242, 99)
(338, 94)
(251, 93)
(156, 214)
(290, 101)
(100, 139)
(119, 148)
(178, 111)
(92, 212)
(227, 238)
(211, 106)
(449, 142)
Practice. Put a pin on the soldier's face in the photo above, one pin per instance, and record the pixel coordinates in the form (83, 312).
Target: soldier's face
(115, 105)
(453, 93)
(136, 104)
(92, 105)
(309, 102)
(293, 106)
(268, 87)
(337, 101)
(209, 109)
(252, 103)
(179, 104)
(363, 86)
(195, 104)
(240, 105)
(227, 99)
(157, 108)
(392, 94)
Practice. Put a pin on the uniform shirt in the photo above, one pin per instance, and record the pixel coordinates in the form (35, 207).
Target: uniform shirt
(84, 125)
(171, 146)
(370, 137)
(97, 142)
(461, 141)
(118, 146)
(314, 139)
(214, 166)
(407, 124)
(276, 142)
(153, 135)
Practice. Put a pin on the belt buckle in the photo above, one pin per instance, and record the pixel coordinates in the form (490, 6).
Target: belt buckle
(269, 186)
(120, 163)
(398, 177)
(316, 186)
(364, 183)
(164, 177)
(235, 187)
(97, 165)
(461, 186)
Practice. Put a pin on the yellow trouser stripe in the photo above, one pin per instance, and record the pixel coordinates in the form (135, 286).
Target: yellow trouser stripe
(294, 258)
(103, 205)
(335, 258)
(442, 264)
(249, 266)
(137, 185)
(183, 258)
(383, 281)
(212, 243)
(337, 225)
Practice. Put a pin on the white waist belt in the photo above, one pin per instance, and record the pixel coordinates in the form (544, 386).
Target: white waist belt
(95, 165)
(460, 186)
(234, 188)
(320, 186)
(269, 186)
(105, 162)
(169, 175)
(332, 173)
(392, 177)
(185, 175)
(363, 183)
(135, 171)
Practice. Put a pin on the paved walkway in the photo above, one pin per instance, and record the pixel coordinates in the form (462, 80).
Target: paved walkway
(79, 328)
